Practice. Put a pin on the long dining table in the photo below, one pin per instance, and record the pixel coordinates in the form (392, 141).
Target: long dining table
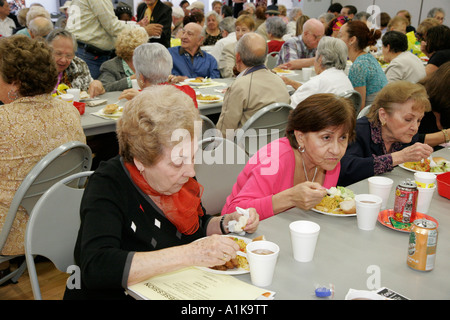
(347, 258)
(94, 125)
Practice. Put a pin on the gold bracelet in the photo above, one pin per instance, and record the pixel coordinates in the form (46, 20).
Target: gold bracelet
(444, 131)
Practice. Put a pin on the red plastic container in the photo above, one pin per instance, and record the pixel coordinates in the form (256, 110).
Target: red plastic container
(80, 106)
(443, 184)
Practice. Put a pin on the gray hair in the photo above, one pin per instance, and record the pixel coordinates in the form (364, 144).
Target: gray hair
(433, 12)
(61, 33)
(153, 61)
(361, 16)
(327, 16)
(293, 13)
(40, 28)
(227, 24)
(37, 11)
(276, 26)
(245, 47)
(177, 12)
(215, 14)
(334, 53)
(249, 5)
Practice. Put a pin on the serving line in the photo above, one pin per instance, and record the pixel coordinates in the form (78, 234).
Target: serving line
(350, 258)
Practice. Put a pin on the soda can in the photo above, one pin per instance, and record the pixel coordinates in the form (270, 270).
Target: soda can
(405, 201)
(422, 245)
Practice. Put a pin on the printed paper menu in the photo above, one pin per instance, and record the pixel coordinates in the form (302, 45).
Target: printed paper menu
(195, 284)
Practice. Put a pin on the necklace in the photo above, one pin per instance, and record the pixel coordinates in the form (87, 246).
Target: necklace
(306, 175)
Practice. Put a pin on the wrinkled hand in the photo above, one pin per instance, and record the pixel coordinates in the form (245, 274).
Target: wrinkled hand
(176, 79)
(308, 194)
(212, 251)
(416, 152)
(252, 222)
(96, 89)
(154, 29)
(128, 94)
(143, 22)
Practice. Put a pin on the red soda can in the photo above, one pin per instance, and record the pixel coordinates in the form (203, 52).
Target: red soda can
(405, 202)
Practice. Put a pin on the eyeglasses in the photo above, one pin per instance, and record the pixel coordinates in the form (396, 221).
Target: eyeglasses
(419, 36)
(59, 55)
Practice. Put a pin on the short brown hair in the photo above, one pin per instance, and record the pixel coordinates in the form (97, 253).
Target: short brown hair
(321, 111)
(362, 33)
(399, 92)
(29, 63)
(149, 120)
(245, 20)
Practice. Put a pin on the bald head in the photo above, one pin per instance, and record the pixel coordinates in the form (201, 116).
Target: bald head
(40, 27)
(191, 38)
(252, 49)
(313, 31)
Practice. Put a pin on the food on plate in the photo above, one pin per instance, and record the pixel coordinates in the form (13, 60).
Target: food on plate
(340, 201)
(279, 70)
(442, 165)
(207, 97)
(111, 108)
(239, 261)
(197, 80)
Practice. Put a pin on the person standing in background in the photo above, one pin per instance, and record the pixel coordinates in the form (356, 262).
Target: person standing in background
(7, 25)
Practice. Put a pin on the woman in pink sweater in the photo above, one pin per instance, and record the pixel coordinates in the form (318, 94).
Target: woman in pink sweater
(295, 171)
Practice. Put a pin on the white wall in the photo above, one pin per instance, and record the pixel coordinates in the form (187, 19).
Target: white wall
(52, 6)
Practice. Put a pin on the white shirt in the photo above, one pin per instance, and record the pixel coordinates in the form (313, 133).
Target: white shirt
(216, 51)
(406, 66)
(329, 81)
(7, 27)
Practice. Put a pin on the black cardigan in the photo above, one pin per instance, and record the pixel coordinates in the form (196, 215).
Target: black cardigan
(117, 220)
(161, 14)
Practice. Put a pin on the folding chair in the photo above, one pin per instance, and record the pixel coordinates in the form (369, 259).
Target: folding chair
(266, 125)
(218, 163)
(355, 97)
(271, 59)
(67, 159)
(53, 227)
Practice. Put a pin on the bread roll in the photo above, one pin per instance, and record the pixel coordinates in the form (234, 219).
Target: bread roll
(348, 206)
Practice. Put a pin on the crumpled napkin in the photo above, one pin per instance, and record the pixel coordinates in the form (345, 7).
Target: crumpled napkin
(232, 225)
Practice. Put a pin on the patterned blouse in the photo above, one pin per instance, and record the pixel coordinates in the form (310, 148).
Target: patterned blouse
(382, 163)
(211, 40)
(30, 128)
(367, 72)
(77, 75)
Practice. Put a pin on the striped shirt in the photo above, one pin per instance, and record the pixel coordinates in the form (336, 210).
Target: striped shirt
(294, 48)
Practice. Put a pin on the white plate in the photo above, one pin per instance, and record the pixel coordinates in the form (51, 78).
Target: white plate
(334, 214)
(412, 170)
(284, 71)
(117, 114)
(218, 99)
(191, 83)
(234, 271)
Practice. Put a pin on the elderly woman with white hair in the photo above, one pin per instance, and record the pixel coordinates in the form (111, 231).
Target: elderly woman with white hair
(117, 73)
(276, 29)
(329, 64)
(34, 12)
(153, 65)
(212, 30)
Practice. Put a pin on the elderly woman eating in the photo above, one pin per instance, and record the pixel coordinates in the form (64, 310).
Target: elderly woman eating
(388, 136)
(116, 74)
(72, 71)
(295, 170)
(32, 122)
(330, 63)
(141, 212)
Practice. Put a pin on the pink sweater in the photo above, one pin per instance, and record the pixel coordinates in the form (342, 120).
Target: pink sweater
(268, 172)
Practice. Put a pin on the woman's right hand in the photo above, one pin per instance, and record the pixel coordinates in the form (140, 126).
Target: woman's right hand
(416, 152)
(307, 195)
(128, 94)
(212, 251)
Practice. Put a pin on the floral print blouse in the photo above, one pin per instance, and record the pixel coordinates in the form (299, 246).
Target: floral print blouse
(30, 127)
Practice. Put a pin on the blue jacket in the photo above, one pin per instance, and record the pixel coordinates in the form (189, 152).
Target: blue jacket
(205, 65)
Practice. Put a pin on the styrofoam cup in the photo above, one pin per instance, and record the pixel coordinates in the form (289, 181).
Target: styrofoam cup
(381, 186)
(367, 209)
(306, 72)
(425, 179)
(304, 235)
(262, 266)
(424, 199)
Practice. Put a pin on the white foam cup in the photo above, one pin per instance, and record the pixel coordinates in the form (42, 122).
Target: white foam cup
(306, 72)
(304, 236)
(75, 92)
(424, 199)
(367, 209)
(67, 97)
(381, 186)
(262, 266)
(425, 179)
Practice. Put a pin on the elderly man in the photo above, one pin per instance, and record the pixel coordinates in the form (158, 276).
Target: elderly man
(189, 61)
(299, 52)
(254, 88)
(40, 27)
(7, 24)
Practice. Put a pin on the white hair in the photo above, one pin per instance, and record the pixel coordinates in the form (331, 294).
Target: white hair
(153, 61)
(334, 53)
(37, 11)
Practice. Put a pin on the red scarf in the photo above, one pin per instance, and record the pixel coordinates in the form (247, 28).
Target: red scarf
(182, 208)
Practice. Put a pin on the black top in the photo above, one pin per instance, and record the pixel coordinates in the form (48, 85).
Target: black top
(366, 156)
(440, 57)
(161, 14)
(118, 219)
